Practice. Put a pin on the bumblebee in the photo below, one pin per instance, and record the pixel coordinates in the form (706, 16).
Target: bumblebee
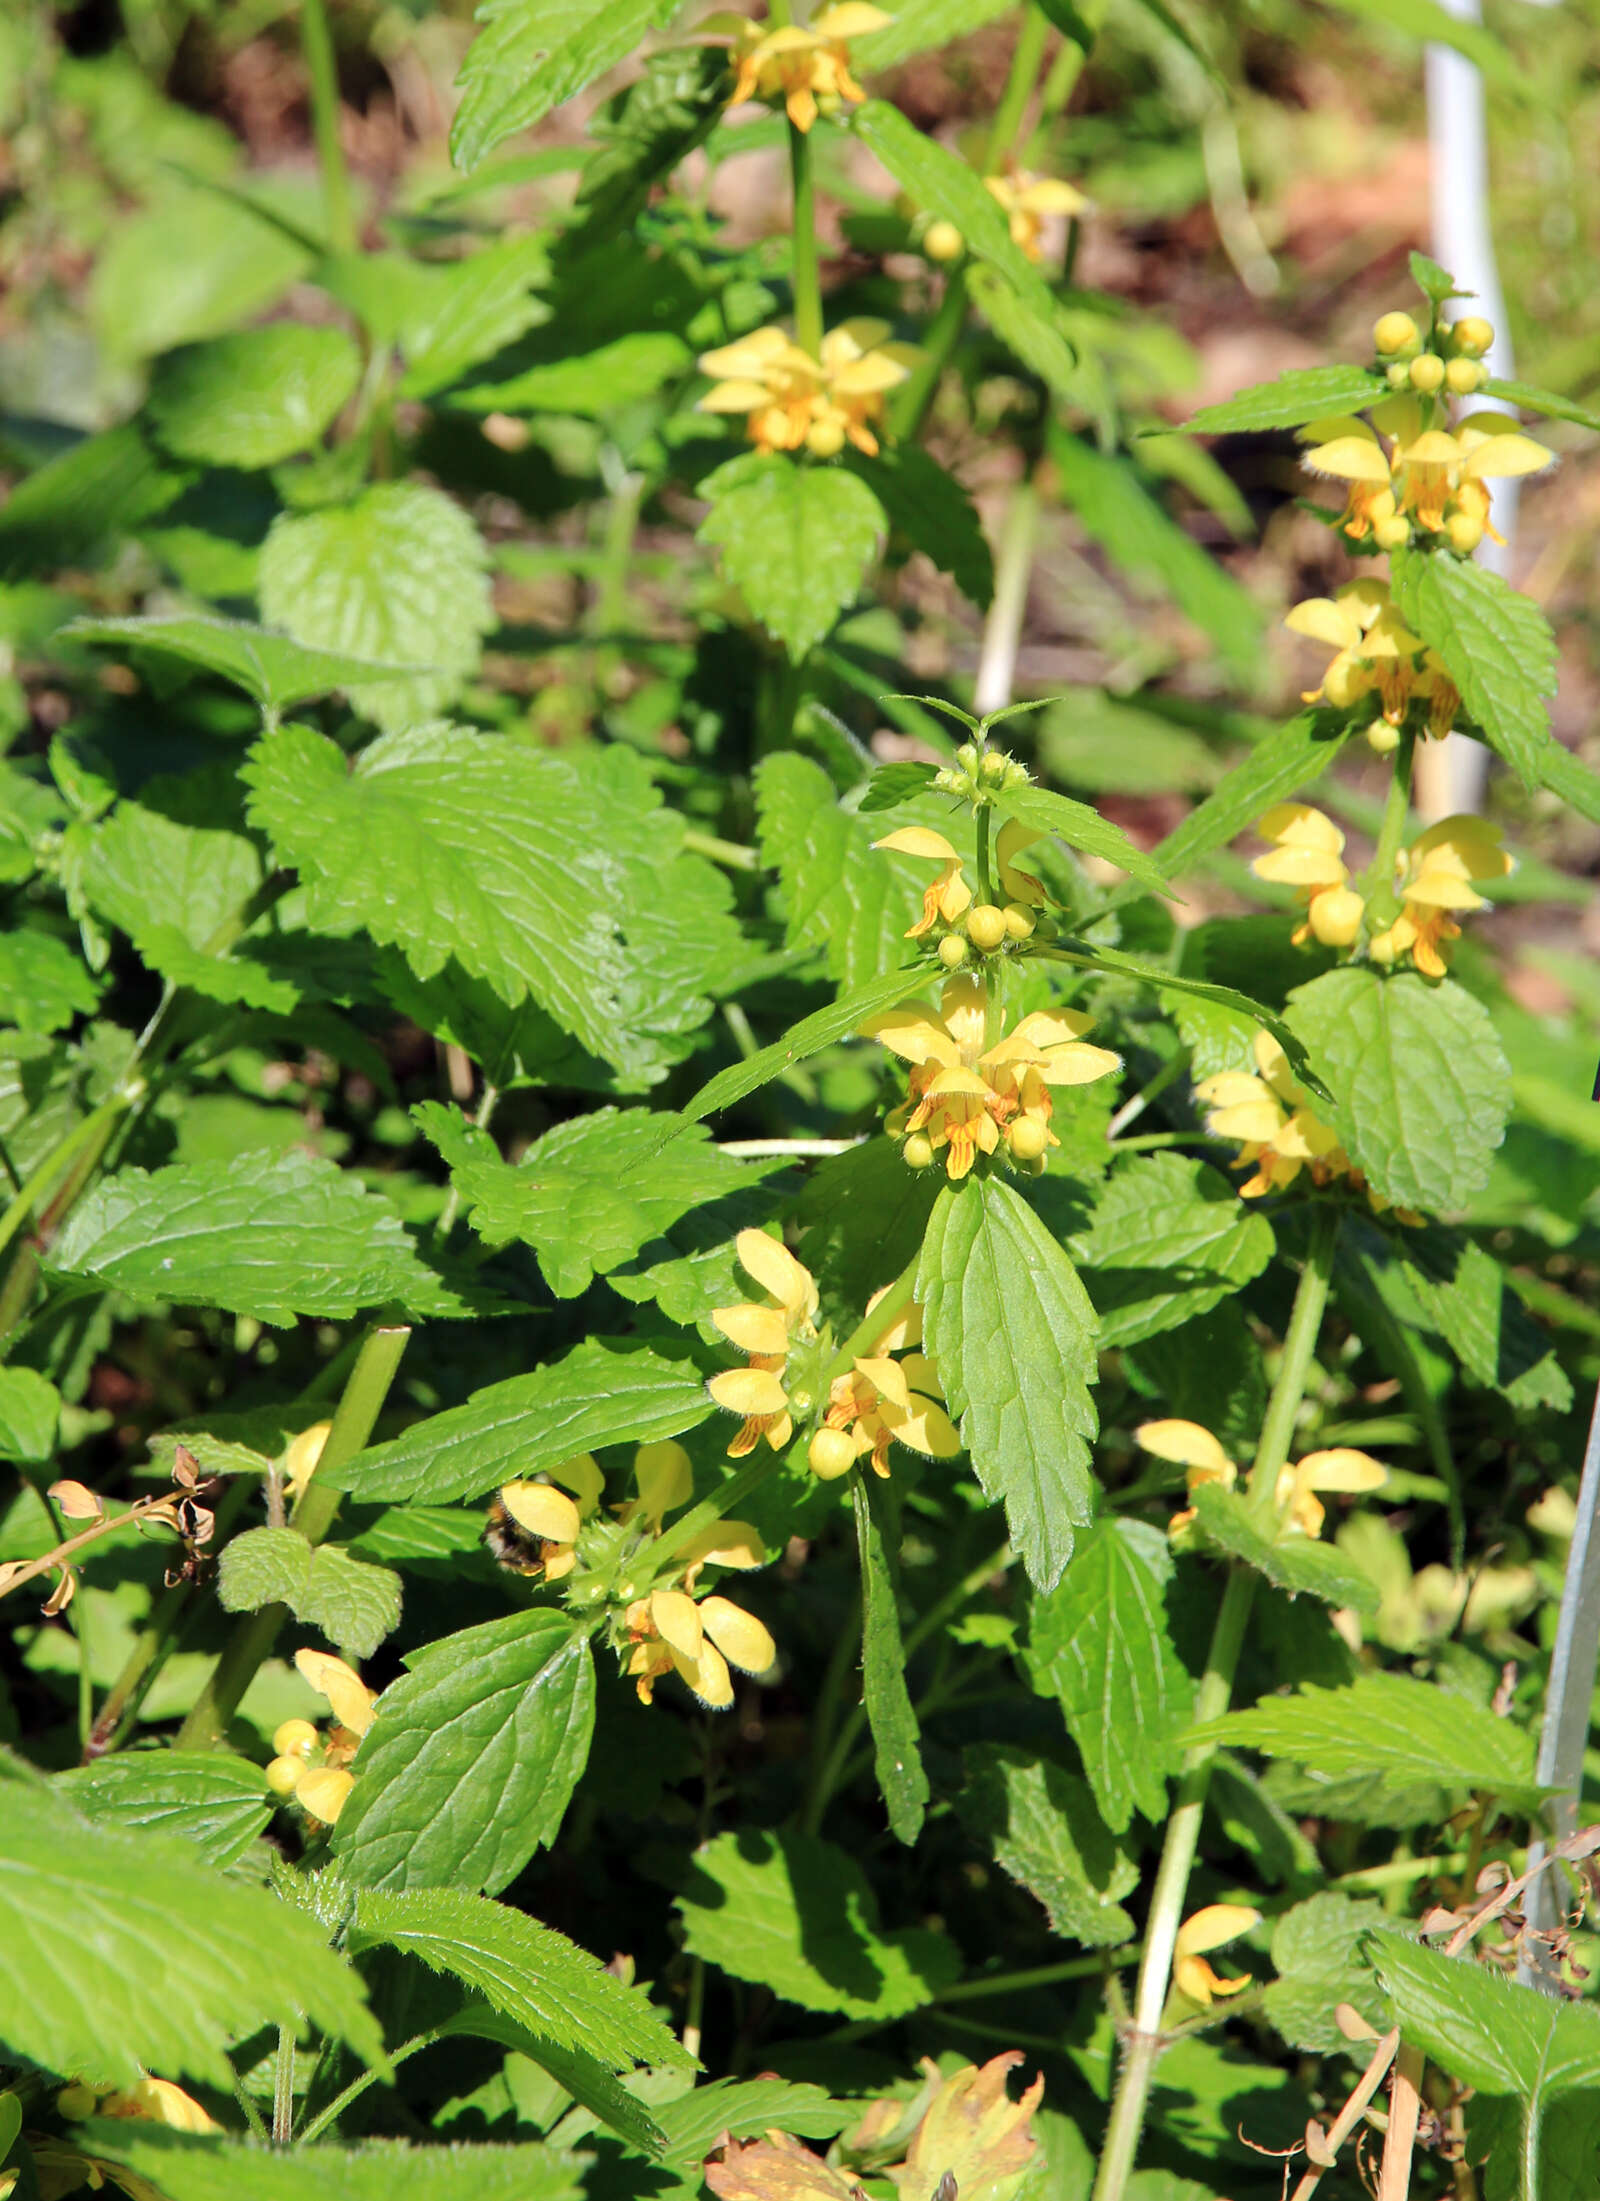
(510, 1545)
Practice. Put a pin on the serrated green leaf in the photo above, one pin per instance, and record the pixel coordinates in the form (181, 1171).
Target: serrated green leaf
(644, 132)
(795, 541)
(107, 1976)
(1140, 536)
(1081, 826)
(472, 1759)
(930, 508)
(1574, 782)
(1482, 2027)
(1294, 1562)
(537, 1978)
(184, 2168)
(599, 1393)
(1419, 1082)
(271, 667)
(1100, 1644)
(1534, 400)
(896, 1738)
(530, 56)
(169, 869)
(354, 1605)
(269, 1235)
(921, 25)
(253, 397)
(1043, 1829)
(1038, 339)
(589, 1195)
(1169, 1239)
(747, 2108)
(1013, 1333)
(839, 894)
(1316, 1952)
(589, 2082)
(367, 578)
(104, 487)
(895, 783)
(1303, 394)
(467, 310)
(30, 1409)
(1408, 1732)
(195, 262)
(795, 1915)
(1441, 1280)
(558, 877)
(218, 1802)
(43, 984)
(1497, 647)
(591, 385)
(264, 1566)
(842, 1019)
(1285, 762)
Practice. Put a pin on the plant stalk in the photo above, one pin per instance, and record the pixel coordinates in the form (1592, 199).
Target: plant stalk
(316, 44)
(909, 406)
(1002, 631)
(1382, 901)
(1027, 60)
(807, 273)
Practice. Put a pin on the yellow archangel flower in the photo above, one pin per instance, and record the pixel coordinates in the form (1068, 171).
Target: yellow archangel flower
(1429, 478)
(1029, 201)
(1192, 1448)
(1203, 1930)
(549, 1520)
(154, 2101)
(1269, 1111)
(1435, 885)
(1375, 654)
(1308, 855)
(791, 400)
(322, 1788)
(881, 1399)
(966, 1098)
(807, 72)
(765, 1331)
(949, 898)
(1341, 1470)
(672, 1632)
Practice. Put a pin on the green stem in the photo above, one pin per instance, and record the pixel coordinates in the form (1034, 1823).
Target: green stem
(715, 1508)
(1040, 1975)
(733, 855)
(896, 1301)
(1145, 2040)
(807, 274)
(1002, 629)
(88, 1136)
(283, 2089)
(909, 407)
(316, 45)
(482, 1117)
(1067, 67)
(819, 1786)
(358, 2086)
(252, 1640)
(1382, 902)
(985, 885)
(1026, 62)
(1130, 1111)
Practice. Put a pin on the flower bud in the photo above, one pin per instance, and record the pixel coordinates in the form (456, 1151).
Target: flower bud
(967, 756)
(1020, 920)
(1027, 1139)
(1393, 533)
(295, 1739)
(1463, 376)
(77, 2101)
(917, 1151)
(832, 1452)
(1426, 373)
(1335, 916)
(283, 1775)
(1343, 685)
(1017, 774)
(996, 764)
(1392, 332)
(825, 439)
(1464, 532)
(1472, 335)
(952, 951)
(1396, 376)
(1382, 738)
(986, 926)
(943, 241)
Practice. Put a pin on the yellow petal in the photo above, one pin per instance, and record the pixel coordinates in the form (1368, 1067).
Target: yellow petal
(324, 1792)
(1441, 889)
(888, 1378)
(1054, 1027)
(581, 1475)
(749, 1391)
(1506, 455)
(1342, 1468)
(1348, 458)
(165, 2104)
(920, 840)
(913, 1035)
(775, 1268)
(1433, 448)
(1288, 865)
(1322, 620)
(753, 1329)
(677, 1621)
(926, 1428)
(542, 1511)
(734, 397)
(707, 1676)
(728, 1544)
(1078, 1064)
(343, 1687)
(959, 1081)
(1213, 1926)
(664, 1477)
(1184, 1443)
(740, 1637)
(866, 377)
(1302, 825)
(850, 19)
(1247, 1120)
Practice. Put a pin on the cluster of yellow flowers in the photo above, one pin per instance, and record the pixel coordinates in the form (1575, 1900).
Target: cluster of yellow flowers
(804, 71)
(312, 1768)
(879, 1399)
(1340, 1469)
(1308, 854)
(791, 400)
(948, 906)
(1406, 475)
(1270, 1112)
(1377, 655)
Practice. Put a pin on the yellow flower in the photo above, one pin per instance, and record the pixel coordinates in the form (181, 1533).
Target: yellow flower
(156, 2101)
(300, 1460)
(1435, 886)
(549, 1517)
(1377, 653)
(791, 400)
(949, 897)
(765, 1332)
(1428, 477)
(881, 1399)
(966, 1098)
(1185, 1444)
(1206, 1929)
(1342, 1469)
(1307, 856)
(1269, 1111)
(672, 1633)
(323, 1789)
(1029, 201)
(805, 71)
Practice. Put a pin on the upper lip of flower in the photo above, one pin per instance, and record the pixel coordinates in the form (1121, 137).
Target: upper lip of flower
(765, 1332)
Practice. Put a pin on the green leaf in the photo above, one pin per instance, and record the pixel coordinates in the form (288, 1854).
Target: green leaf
(1038, 339)
(1431, 24)
(253, 397)
(1285, 762)
(354, 1605)
(891, 784)
(1439, 1279)
(472, 1759)
(1043, 1829)
(169, 869)
(896, 1738)
(1200, 989)
(599, 1393)
(1169, 1239)
(1294, 1562)
(269, 1235)
(218, 1802)
(1303, 394)
(1081, 826)
(1534, 400)
(838, 893)
(1139, 535)
(591, 1193)
(1496, 644)
(271, 667)
(542, 875)
(842, 1019)
(1574, 782)
(1420, 1085)
(644, 132)
(590, 385)
(537, 1978)
(1316, 1952)
(929, 507)
(43, 984)
(467, 310)
(1100, 1644)
(530, 56)
(862, 1214)
(795, 540)
(109, 1975)
(1410, 1733)
(1484, 2029)
(183, 2168)
(747, 2108)
(104, 487)
(919, 26)
(30, 1409)
(1013, 1332)
(367, 579)
(795, 1915)
(194, 263)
